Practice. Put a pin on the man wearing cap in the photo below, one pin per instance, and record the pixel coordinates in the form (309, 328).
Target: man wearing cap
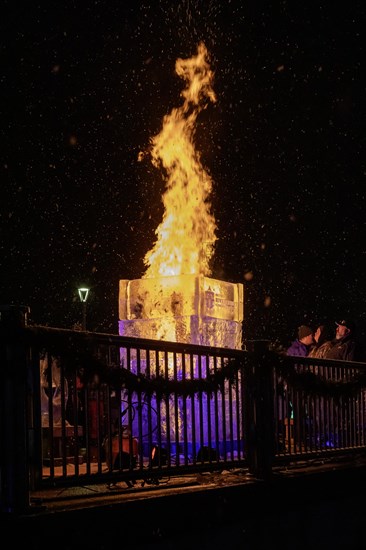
(302, 345)
(343, 346)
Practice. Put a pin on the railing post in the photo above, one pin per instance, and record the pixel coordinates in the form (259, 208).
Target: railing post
(14, 463)
(259, 411)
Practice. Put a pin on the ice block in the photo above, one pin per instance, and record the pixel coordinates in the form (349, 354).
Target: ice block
(186, 308)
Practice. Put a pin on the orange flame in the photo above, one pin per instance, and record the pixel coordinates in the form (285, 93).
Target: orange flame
(186, 235)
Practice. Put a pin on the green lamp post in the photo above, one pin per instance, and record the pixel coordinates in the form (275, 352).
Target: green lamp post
(83, 295)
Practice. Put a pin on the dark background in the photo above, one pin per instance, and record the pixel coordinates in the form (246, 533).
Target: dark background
(85, 85)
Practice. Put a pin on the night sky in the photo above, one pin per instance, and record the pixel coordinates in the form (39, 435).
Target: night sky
(85, 86)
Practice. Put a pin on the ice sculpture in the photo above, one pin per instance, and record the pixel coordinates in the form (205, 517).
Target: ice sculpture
(185, 308)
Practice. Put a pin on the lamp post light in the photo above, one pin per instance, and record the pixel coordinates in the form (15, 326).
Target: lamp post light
(83, 295)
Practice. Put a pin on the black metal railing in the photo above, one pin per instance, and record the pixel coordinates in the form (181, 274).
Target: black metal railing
(319, 407)
(80, 408)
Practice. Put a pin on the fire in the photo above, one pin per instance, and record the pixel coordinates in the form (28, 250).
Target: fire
(186, 235)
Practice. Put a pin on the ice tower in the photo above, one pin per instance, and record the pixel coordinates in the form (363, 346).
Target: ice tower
(176, 300)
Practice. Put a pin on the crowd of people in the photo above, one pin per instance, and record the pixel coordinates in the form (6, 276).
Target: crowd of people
(318, 343)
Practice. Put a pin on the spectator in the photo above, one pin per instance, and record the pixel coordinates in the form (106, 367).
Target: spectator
(302, 345)
(343, 346)
(322, 342)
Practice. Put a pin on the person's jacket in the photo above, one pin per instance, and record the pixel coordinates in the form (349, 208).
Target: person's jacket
(320, 351)
(298, 348)
(344, 349)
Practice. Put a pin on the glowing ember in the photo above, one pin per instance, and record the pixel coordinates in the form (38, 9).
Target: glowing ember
(186, 235)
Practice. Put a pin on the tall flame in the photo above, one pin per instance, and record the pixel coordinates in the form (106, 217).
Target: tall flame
(186, 235)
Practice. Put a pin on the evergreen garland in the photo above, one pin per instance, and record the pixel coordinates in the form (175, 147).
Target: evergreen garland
(307, 378)
(162, 387)
(92, 370)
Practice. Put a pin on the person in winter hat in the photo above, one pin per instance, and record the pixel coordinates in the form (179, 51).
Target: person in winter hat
(344, 345)
(302, 345)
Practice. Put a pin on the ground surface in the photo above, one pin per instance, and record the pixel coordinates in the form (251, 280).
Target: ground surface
(305, 509)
